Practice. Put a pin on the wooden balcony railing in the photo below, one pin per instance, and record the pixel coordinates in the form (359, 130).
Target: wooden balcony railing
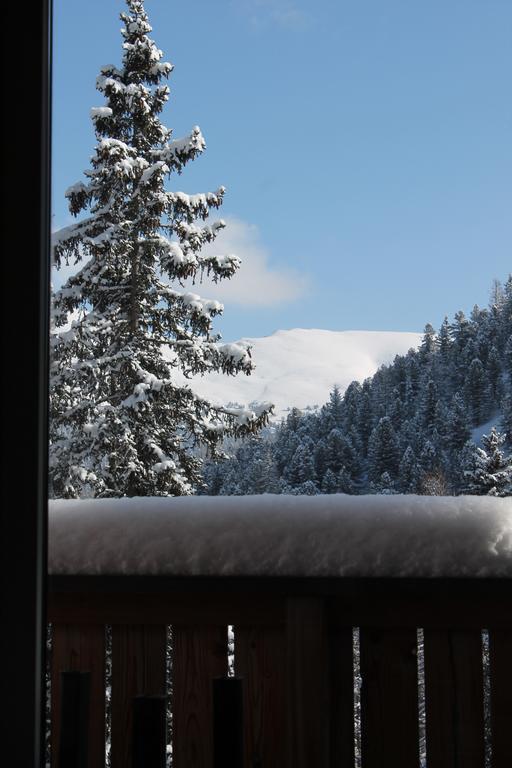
(294, 658)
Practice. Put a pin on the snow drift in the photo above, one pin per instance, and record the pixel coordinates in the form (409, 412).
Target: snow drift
(282, 535)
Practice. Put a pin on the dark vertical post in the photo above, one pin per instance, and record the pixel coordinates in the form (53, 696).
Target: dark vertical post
(148, 746)
(80, 648)
(341, 689)
(200, 655)
(260, 659)
(307, 676)
(500, 647)
(25, 272)
(228, 723)
(454, 698)
(389, 698)
(138, 669)
(74, 718)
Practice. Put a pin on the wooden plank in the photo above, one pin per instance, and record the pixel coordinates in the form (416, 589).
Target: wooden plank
(200, 655)
(389, 698)
(138, 669)
(500, 649)
(260, 659)
(454, 698)
(341, 698)
(463, 603)
(307, 684)
(80, 649)
(196, 609)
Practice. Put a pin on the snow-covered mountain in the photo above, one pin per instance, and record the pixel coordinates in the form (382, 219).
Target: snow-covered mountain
(299, 367)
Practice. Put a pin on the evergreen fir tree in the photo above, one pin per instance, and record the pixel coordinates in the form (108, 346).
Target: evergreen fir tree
(457, 432)
(494, 376)
(260, 473)
(428, 406)
(408, 472)
(344, 482)
(364, 421)
(476, 392)
(428, 344)
(397, 410)
(429, 460)
(349, 406)
(301, 467)
(329, 482)
(321, 459)
(489, 471)
(335, 405)
(444, 340)
(384, 485)
(508, 358)
(383, 451)
(308, 488)
(120, 424)
(506, 419)
(340, 452)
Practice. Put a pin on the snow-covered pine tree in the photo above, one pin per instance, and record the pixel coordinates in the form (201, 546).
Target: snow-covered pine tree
(489, 470)
(409, 472)
(121, 425)
(383, 451)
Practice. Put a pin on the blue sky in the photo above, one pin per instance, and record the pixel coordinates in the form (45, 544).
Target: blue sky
(365, 145)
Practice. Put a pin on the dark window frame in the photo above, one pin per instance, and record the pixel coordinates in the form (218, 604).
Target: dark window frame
(26, 232)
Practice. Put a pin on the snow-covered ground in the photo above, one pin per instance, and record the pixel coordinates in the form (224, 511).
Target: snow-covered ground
(299, 367)
(334, 535)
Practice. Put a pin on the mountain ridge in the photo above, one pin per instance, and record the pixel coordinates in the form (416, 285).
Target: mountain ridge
(298, 367)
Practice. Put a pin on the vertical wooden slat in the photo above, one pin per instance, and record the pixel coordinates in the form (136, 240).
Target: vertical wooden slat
(260, 660)
(138, 669)
(228, 722)
(148, 746)
(73, 747)
(389, 698)
(80, 649)
(500, 649)
(342, 698)
(200, 655)
(454, 698)
(307, 660)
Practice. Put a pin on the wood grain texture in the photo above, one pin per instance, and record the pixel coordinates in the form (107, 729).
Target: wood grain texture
(389, 698)
(200, 655)
(260, 660)
(500, 648)
(307, 684)
(80, 649)
(261, 601)
(454, 698)
(138, 669)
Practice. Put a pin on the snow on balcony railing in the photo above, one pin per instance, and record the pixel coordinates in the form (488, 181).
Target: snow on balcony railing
(279, 535)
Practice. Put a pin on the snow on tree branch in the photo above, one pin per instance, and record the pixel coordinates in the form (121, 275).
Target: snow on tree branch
(121, 424)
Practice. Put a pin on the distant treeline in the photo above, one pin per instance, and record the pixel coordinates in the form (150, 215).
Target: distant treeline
(407, 429)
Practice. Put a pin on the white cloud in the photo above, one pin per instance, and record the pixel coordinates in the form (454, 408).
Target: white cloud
(258, 282)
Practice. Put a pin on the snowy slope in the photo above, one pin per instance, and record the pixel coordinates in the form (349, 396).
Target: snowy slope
(299, 367)
(478, 432)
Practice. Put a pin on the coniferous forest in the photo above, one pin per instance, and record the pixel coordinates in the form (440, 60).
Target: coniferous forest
(436, 421)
